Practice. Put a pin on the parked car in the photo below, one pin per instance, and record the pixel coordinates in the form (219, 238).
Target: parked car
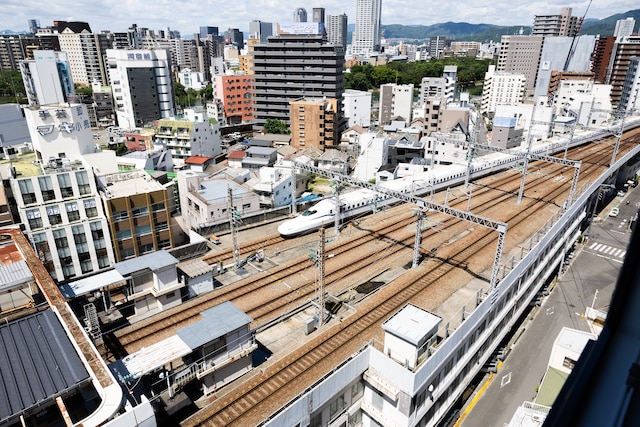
(614, 212)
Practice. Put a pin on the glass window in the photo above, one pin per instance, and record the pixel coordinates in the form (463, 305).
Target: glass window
(83, 182)
(26, 189)
(53, 212)
(72, 211)
(66, 187)
(46, 188)
(34, 218)
(90, 208)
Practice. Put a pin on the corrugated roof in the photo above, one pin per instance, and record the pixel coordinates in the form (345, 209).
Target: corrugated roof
(14, 274)
(37, 363)
(197, 160)
(218, 321)
(90, 284)
(153, 261)
(195, 268)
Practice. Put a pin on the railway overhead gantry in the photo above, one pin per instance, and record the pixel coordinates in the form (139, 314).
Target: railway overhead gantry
(576, 164)
(424, 206)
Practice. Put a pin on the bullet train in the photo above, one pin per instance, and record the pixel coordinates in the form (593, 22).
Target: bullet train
(365, 201)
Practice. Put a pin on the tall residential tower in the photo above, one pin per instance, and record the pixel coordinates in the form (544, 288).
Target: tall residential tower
(366, 38)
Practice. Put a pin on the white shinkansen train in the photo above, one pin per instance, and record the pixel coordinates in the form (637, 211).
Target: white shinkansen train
(364, 201)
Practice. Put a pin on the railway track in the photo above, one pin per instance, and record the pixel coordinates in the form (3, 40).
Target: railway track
(282, 299)
(264, 392)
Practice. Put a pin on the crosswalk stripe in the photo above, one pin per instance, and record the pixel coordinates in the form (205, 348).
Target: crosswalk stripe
(608, 250)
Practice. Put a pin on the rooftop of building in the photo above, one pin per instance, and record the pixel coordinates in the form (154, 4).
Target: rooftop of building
(129, 183)
(38, 364)
(25, 164)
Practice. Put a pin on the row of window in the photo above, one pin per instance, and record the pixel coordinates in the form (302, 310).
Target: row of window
(55, 213)
(49, 192)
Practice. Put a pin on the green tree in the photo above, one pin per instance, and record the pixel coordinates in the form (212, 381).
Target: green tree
(276, 126)
(207, 93)
(11, 84)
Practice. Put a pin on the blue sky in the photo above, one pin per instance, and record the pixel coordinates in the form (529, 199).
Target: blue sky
(187, 16)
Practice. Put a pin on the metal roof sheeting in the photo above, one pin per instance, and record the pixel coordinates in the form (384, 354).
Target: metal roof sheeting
(218, 321)
(37, 362)
(14, 274)
(153, 261)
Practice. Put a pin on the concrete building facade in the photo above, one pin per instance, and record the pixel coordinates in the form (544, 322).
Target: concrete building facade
(314, 123)
(501, 88)
(521, 55)
(357, 107)
(336, 27)
(235, 93)
(557, 25)
(395, 101)
(292, 66)
(142, 86)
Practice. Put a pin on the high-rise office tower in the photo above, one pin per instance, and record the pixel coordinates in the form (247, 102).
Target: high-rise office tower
(34, 25)
(260, 30)
(142, 85)
(336, 27)
(366, 38)
(206, 30)
(318, 14)
(624, 27)
(300, 15)
(521, 55)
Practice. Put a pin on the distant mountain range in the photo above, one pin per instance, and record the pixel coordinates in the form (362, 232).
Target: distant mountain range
(487, 32)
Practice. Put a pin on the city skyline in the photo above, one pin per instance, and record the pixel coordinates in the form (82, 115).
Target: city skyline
(116, 16)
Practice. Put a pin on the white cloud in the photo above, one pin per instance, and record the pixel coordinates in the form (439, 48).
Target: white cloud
(187, 16)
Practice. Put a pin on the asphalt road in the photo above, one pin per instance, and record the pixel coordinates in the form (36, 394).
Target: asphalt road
(593, 272)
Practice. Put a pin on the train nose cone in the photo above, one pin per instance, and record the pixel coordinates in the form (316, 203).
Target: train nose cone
(284, 229)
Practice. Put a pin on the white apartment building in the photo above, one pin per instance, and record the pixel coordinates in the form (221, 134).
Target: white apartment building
(204, 201)
(587, 101)
(357, 107)
(47, 78)
(189, 135)
(192, 79)
(273, 186)
(57, 200)
(142, 86)
(374, 152)
(541, 114)
(395, 101)
(501, 88)
(624, 27)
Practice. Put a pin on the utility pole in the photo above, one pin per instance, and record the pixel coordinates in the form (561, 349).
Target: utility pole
(234, 219)
(320, 267)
